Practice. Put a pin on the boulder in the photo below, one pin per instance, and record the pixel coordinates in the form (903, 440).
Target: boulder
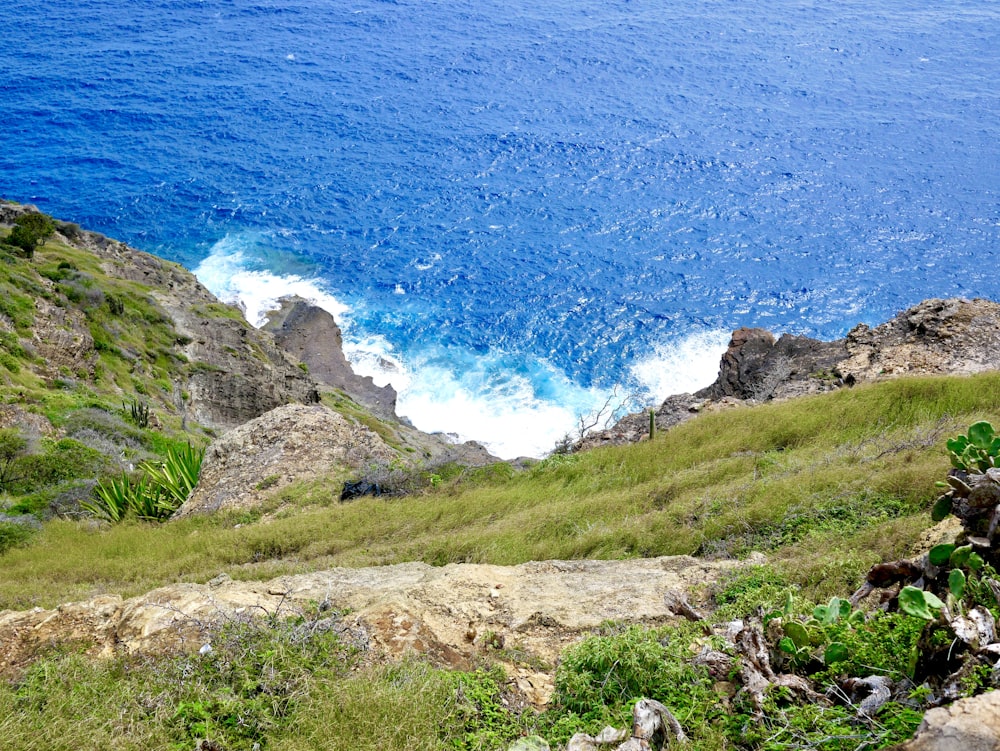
(290, 443)
(971, 724)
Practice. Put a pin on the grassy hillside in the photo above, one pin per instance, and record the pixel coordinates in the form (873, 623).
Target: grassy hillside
(824, 486)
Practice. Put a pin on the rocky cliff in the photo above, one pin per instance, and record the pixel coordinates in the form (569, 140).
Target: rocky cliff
(231, 371)
(935, 337)
(312, 335)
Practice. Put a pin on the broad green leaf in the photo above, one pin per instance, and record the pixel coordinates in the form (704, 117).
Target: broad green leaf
(835, 652)
(919, 603)
(960, 556)
(957, 445)
(789, 603)
(797, 633)
(940, 554)
(981, 434)
(941, 509)
(956, 582)
(975, 561)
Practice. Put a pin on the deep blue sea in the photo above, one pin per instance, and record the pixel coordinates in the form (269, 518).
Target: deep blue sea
(515, 208)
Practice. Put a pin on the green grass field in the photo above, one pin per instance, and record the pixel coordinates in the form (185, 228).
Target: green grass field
(824, 486)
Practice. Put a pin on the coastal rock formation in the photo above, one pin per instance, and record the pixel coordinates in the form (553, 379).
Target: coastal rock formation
(238, 372)
(956, 337)
(756, 367)
(234, 373)
(445, 612)
(311, 334)
(935, 337)
(290, 443)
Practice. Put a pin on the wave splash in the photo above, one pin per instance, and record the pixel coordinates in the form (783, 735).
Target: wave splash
(515, 405)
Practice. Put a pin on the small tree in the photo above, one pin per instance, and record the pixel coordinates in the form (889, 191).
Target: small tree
(31, 230)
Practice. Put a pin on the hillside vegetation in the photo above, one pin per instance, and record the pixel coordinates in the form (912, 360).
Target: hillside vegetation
(823, 486)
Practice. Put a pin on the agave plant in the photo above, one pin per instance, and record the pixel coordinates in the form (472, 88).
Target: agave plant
(175, 477)
(111, 499)
(163, 487)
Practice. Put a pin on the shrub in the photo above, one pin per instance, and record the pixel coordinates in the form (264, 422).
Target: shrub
(13, 534)
(30, 230)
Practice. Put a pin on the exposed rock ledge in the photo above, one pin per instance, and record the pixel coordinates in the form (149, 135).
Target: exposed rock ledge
(443, 612)
(935, 337)
(293, 442)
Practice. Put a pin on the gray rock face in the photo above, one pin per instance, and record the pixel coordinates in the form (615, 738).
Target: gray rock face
(292, 442)
(953, 336)
(758, 368)
(312, 335)
(935, 337)
(237, 371)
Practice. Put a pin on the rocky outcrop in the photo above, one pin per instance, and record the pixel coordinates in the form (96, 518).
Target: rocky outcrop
(936, 337)
(756, 367)
(971, 724)
(288, 444)
(447, 612)
(311, 334)
(955, 336)
(237, 372)
(234, 373)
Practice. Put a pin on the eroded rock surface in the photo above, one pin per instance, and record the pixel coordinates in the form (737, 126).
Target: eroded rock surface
(444, 612)
(311, 334)
(292, 442)
(971, 724)
(935, 337)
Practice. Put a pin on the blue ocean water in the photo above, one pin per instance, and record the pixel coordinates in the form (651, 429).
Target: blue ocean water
(516, 210)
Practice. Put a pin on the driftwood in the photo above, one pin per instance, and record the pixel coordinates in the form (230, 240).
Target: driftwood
(652, 723)
(868, 694)
(756, 672)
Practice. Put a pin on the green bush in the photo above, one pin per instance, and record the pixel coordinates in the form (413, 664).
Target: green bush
(30, 230)
(599, 680)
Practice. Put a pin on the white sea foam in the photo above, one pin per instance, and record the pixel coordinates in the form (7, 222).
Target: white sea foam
(681, 366)
(226, 273)
(462, 396)
(489, 398)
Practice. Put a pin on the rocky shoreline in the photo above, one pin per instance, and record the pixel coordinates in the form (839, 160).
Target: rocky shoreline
(935, 337)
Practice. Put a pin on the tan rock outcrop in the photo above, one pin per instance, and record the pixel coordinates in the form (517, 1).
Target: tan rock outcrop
(971, 724)
(449, 613)
(290, 443)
